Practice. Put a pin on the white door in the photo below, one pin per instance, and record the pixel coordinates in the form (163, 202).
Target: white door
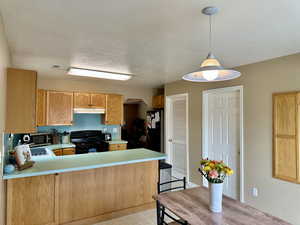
(177, 135)
(222, 134)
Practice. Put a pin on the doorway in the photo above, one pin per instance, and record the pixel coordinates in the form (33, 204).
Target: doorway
(223, 134)
(177, 136)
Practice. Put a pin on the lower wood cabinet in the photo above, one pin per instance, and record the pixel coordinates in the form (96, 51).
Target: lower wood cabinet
(64, 151)
(32, 201)
(114, 147)
(86, 197)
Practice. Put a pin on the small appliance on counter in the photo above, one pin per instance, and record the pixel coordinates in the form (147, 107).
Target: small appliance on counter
(65, 138)
(37, 139)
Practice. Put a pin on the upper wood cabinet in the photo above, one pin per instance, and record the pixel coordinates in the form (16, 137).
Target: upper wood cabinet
(82, 100)
(158, 102)
(41, 107)
(89, 100)
(98, 100)
(59, 108)
(286, 139)
(21, 101)
(114, 109)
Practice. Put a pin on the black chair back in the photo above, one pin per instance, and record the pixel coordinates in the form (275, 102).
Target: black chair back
(161, 211)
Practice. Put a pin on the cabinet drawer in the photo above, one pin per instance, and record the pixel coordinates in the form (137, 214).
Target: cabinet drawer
(113, 147)
(68, 151)
(57, 152)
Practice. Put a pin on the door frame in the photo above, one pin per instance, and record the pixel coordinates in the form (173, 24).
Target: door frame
(205, 125)
(168, 129)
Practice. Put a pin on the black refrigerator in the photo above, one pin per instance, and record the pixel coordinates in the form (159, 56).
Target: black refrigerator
(155, 130)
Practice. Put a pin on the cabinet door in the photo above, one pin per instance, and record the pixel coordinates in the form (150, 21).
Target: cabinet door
(98, 100)
(158, 102)
(58, 152)
(21, 101)
(32, 200)
(114, 147)
(59, 108)
(68, 151)
(114, 109)
(41, 107)
(285, 136)
(82, 100)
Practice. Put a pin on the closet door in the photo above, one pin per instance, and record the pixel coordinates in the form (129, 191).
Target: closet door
(285, 137)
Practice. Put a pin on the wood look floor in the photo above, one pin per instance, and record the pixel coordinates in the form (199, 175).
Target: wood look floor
(142, 218)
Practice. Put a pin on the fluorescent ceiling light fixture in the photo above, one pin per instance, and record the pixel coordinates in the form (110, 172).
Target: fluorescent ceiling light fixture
(98, 74)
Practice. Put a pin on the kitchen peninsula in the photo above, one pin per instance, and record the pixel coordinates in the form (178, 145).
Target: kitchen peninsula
(83, 189)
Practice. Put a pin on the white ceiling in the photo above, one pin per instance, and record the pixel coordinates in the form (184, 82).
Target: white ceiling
(156, 40)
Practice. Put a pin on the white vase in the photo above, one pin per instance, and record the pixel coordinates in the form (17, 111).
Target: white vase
(215, 197)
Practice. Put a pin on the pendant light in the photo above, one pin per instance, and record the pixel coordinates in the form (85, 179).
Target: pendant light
(211, 69)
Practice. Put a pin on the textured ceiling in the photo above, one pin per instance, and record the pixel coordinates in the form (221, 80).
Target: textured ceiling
(155, 40)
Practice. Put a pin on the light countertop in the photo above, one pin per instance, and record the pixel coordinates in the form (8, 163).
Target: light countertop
(58, 146)
(61, 164)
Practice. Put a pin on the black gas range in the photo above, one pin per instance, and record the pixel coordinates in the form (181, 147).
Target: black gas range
(87, 141)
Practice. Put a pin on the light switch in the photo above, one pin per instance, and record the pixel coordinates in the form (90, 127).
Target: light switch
(254, 192)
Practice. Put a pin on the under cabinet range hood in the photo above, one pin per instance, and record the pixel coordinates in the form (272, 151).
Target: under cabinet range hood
(89, 111)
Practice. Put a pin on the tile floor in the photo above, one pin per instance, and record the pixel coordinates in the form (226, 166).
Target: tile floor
(142, 218)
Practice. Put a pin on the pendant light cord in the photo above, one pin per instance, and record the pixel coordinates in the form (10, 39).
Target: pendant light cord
(210, 34)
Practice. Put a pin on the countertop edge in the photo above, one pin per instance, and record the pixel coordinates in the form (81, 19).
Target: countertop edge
(49, 172)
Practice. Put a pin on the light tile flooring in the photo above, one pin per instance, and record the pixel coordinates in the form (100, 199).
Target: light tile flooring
(142, 218)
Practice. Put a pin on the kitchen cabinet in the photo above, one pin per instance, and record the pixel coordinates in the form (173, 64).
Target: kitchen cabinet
(41, 107)
(64, 151)
(286, 139)
(82, 100)
(58, 152)
(99, 193)
(98, 100)
(89, 100)
(21, 101)
(68, 151)
(32, 200)
(114, 109)
(115, 147)
(158, 102)
(59, 108)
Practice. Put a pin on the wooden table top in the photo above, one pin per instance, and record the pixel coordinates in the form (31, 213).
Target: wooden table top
(192, 205)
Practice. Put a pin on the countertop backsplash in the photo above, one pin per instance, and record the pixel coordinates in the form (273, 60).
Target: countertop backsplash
(86, 122)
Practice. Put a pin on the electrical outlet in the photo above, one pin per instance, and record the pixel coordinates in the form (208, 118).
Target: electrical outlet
(254, 192)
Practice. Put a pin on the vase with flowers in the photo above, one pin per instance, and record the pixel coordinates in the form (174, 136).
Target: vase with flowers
(215, 172)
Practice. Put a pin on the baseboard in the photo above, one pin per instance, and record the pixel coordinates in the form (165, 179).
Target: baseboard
(113, 215)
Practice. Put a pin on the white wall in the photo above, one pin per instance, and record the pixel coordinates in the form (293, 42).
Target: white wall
(4, 63)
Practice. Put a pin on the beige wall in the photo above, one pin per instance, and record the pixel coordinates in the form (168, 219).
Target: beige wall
(97, 86)
(4, 63)
(260, 80)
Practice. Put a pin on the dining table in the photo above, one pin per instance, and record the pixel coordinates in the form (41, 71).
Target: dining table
(192, 206)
